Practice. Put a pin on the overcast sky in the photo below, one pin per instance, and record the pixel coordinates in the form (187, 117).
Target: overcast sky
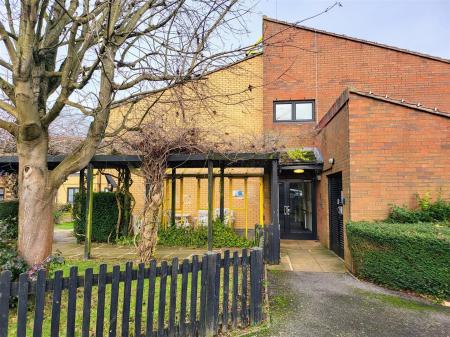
(422, 26)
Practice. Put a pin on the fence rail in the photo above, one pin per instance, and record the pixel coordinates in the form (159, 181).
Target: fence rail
(192, 298)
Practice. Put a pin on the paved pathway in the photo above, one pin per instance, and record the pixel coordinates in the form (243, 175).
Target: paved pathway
(308, 255)
(296, 255)
(315, 304)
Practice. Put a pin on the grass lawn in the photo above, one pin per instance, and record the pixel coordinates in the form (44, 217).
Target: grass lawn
(65, 225)
(94, 264)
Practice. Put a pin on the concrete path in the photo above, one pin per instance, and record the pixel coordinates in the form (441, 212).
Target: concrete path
(309, 256)
(336, 304)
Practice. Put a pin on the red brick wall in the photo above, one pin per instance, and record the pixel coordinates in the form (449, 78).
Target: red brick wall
(337, 129)
(395, 152)
(301, 64)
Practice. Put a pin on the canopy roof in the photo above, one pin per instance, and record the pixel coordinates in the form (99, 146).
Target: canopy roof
(179, 160)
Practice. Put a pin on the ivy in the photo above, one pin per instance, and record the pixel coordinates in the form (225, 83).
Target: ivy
(300, 155)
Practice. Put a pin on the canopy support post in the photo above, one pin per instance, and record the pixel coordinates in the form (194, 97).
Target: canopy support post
(89, 207)
(210, 204)
(222, 193)
(174, 191)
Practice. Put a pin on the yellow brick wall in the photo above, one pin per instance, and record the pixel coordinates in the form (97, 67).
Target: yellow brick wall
(192, 195)
(73, 181)
(227, 104)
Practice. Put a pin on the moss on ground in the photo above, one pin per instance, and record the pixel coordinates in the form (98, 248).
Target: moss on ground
(402, 303)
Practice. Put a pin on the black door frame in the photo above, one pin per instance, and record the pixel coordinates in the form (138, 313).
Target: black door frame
(335, 244)
(299, 236)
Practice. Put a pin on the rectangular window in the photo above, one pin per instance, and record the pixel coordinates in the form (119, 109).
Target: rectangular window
(2, 193)
(71, 194)
(294, 111)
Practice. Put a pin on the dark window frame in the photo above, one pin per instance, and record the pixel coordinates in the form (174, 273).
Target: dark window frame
(293, 111)
(3, 193)
(77, 189)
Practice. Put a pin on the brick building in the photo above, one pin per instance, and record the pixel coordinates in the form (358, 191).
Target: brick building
(379, 116)
(376, 119)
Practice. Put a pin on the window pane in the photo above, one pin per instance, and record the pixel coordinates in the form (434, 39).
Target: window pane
(304, 111)
(71, 194)
(283, 111)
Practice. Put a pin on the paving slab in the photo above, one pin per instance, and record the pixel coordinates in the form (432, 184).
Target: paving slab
(308, 256)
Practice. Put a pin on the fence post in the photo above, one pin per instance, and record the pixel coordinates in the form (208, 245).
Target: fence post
(210, 293)
(5, 287)
(256, 279)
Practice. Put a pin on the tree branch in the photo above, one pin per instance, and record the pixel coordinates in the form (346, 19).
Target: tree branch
(8, 108)
(7, 41)
(9, 127)
(8, 89)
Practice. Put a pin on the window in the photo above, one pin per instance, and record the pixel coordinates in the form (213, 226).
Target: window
(2, 193)
(293, 111)
(71, 194)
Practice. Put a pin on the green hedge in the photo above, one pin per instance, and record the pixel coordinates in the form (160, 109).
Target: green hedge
(104, 217)
(223, 236)
(413, 257)
(9, 215)
(9, 209)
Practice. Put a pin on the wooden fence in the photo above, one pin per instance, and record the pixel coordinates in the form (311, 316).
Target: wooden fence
(223, 294)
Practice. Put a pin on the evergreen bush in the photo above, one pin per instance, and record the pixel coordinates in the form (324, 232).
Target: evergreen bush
(414, 257)
(104, 217)
(9, 209)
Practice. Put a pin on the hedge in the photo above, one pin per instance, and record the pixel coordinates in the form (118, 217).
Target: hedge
(104, 217)
(414, 257)
(223, 236)
(9, 209)
(9, 215)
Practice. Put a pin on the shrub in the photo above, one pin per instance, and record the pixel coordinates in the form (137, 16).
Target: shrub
(413, 257)
(9, 226)
(9, 209)
(428, 211)
(9, 230)
(51, 264)
(223, 236)
(60, 210)
(10, 260)
(104, 217)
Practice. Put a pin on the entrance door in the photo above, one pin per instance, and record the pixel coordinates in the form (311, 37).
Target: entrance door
(335, 211)
(296, 210)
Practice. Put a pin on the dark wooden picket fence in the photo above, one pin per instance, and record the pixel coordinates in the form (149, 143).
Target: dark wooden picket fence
(223, 294)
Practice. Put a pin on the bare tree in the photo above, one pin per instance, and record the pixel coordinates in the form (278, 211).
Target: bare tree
(163, 135)
(60, 55)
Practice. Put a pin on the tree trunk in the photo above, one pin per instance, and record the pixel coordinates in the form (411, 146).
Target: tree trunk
(36, 192)
(150, 223)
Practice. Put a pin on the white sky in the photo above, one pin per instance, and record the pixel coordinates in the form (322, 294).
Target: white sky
(422, 26)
